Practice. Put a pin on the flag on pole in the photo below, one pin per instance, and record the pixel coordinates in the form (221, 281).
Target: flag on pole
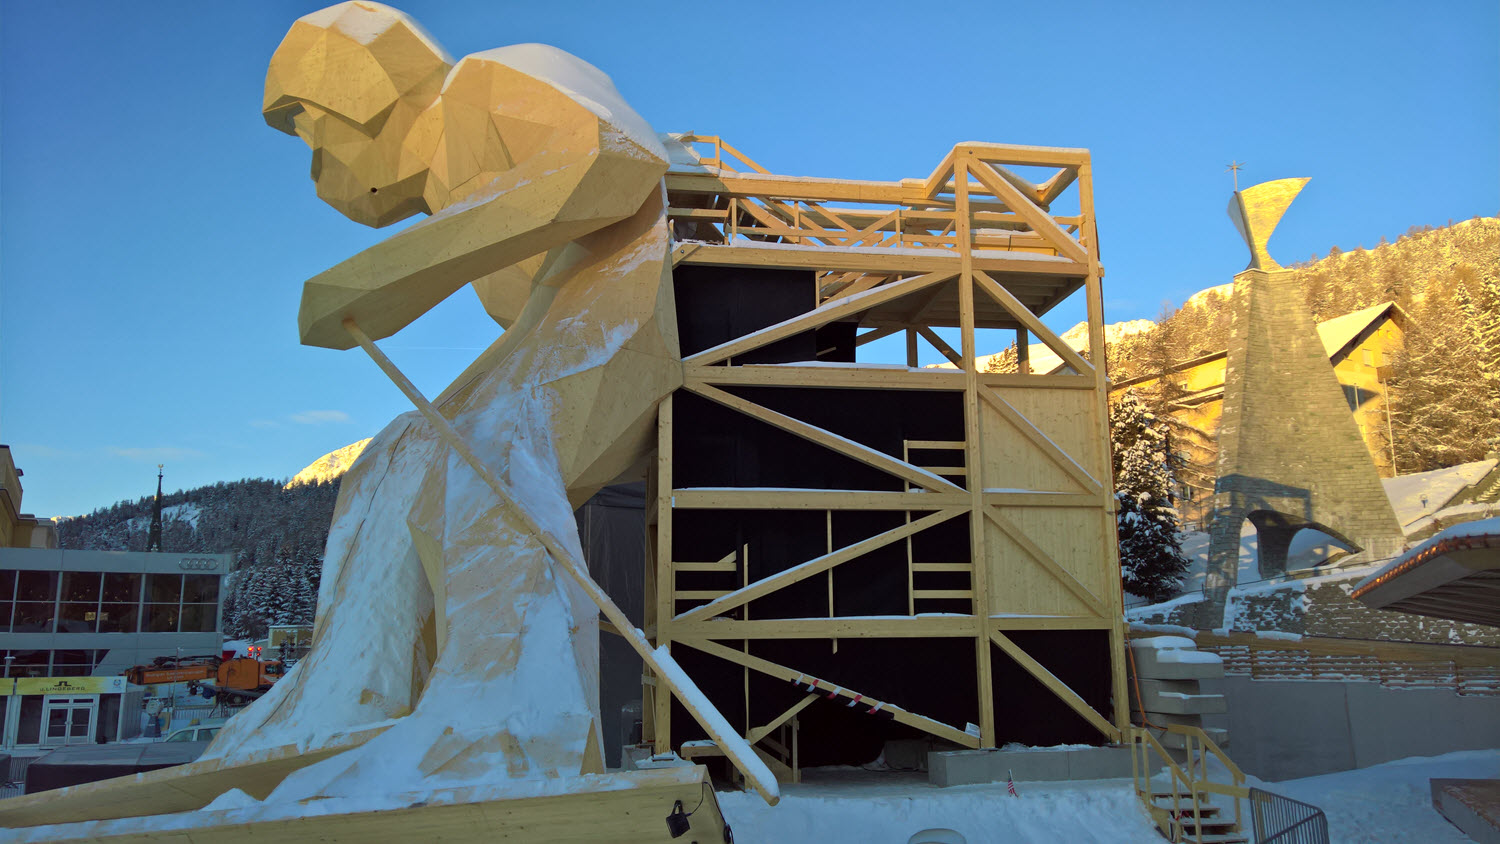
(1010, 784)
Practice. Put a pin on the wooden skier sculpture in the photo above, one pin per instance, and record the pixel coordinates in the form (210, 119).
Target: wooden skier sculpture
(444, 611)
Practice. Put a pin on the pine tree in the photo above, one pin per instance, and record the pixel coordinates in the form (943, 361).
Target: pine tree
(1151, 556)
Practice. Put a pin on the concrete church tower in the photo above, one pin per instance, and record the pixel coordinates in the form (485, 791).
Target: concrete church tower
(1290, 453)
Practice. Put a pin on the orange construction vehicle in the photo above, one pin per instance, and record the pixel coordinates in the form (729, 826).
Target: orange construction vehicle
(170, 670)
(240, 679)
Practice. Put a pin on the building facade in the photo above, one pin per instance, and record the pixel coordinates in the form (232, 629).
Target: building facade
(71, 622)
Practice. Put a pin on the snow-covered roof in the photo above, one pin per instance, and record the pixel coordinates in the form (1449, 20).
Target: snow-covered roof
(1454, 575)
(1439, 486)
(1339, 332)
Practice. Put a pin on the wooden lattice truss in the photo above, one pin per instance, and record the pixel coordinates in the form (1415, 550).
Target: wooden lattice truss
(973, 246)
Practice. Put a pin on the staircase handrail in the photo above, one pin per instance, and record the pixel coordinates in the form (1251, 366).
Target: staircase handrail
(1208, 744)
(1194, 779)
(1142, 742)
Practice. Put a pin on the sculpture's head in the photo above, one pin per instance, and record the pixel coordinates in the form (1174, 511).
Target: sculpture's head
(358, 83)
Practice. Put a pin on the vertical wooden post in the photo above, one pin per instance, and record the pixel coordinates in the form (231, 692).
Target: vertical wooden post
(1023, 351)
(666, 580)
(973, 454)
(911, 348)
(1103, 468)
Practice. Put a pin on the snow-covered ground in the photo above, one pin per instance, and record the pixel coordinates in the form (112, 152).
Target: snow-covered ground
(1383, 803)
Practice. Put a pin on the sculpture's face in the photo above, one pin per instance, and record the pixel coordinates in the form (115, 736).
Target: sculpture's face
(363, 174)
(357, 82)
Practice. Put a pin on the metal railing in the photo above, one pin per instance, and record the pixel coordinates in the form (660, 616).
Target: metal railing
(1188, 788)
(1282, 820)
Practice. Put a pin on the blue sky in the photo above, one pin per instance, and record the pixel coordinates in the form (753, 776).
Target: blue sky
(154, 233)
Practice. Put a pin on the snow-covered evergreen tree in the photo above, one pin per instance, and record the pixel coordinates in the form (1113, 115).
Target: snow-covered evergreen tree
(1150, 537)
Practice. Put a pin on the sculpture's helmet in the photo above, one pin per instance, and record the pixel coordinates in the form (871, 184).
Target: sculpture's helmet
(355, 81)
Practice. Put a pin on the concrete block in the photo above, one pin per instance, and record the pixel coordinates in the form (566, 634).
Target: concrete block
(1179, 697)
(958, 767)
(1470, 805)
(1176, 741)
(969, 767)
(1177, 664)
(1099, 763)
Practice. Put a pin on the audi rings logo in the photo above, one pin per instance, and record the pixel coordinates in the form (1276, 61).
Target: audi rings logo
(197, 564)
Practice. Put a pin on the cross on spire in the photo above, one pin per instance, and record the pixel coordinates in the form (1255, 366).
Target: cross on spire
(153, 538)
(1234, 167)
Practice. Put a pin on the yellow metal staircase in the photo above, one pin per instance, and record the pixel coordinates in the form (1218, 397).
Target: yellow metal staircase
(1181, 803)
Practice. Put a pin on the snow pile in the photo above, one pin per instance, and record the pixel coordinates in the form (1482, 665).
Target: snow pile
(888, 809)
(1390, 802)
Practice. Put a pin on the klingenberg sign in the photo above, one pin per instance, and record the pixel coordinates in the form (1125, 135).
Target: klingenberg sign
(64, 686)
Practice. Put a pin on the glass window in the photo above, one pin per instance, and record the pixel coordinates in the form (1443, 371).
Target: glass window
(184, 735)
(7, 585)
(30, 729)
(118, 618)
(122, 588)
(37, 586)
(163, 588)
(160, 618)
(1368, 357)
(81, 586)
(73, 657)
(78, 618)
(33, 617)
(200, 589)
(29, 663)
(199, 618)
(71, 671)
(208, 734)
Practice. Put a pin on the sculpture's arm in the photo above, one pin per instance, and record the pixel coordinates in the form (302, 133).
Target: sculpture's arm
(586, 179)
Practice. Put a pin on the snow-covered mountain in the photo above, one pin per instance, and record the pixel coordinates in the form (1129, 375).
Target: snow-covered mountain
(330, 466)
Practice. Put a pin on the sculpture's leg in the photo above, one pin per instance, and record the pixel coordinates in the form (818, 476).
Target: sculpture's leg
(372, 652)
(512, 695)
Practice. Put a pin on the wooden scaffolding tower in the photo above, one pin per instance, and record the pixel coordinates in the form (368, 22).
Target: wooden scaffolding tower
(973, 246)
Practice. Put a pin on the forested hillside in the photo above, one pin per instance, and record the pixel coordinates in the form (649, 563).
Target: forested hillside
(275, 533)
(1445, 388)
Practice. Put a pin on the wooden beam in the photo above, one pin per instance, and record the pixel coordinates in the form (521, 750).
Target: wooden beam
(870, 627)
(1050, 382)
(941, 345)
(1040, 221)
(973, 458)
(812, 433)
(791, 375)
(666, 580)
(1027, 156)
(911, 719)
(1013, 306)
(1063, 460)
(870, 259)
(1050, 622)
(872, 336)
(1056, 686)
(817, 565)
(1018, 536)
(761, 732)
(816, 318)
(732, 498)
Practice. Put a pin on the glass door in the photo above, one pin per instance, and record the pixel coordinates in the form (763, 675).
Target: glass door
(69, 720)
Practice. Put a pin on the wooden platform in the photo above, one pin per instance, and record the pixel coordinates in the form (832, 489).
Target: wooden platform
(605, 808)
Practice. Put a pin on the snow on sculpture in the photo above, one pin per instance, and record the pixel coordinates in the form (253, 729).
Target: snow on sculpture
(447, 611)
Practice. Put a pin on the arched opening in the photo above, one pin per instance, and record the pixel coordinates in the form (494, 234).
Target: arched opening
(1275, 532)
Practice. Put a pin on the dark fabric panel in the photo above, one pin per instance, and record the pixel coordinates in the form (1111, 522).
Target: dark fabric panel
(718, 304)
